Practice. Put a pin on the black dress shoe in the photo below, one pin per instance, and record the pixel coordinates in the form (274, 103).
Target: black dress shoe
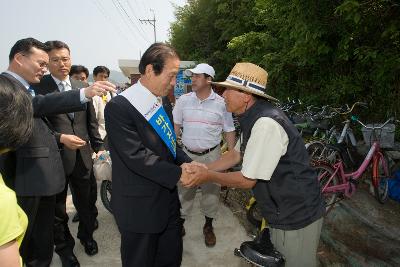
(69, 260)
(76, 217)
(96, 224)
(90, 247)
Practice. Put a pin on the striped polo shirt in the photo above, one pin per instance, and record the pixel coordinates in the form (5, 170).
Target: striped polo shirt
(203, 121)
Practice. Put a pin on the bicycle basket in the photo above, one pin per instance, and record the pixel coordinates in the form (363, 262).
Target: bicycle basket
(385, 135)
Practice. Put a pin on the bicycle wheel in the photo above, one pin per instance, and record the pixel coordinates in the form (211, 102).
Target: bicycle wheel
(315, 150)
(254, 216)
(380, 174)
(105, 194)
(327, 178)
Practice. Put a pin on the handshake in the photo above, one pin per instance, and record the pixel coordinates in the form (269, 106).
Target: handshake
(193, 174)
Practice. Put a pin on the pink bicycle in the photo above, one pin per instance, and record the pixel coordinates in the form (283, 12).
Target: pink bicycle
(335, 182)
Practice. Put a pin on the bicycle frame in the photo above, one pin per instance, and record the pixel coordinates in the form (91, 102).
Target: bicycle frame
(346, 184)
(347, 131)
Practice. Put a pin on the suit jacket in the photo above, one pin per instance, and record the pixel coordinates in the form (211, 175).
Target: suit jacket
(144, 171)
(84, 125)
(36, 169)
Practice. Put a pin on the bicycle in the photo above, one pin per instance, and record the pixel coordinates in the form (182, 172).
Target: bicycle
(332, 146)
(102, 171)
(105, 194)
(334, 181)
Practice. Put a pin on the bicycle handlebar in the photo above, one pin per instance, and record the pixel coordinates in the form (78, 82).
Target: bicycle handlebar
(373, 127)
(349, 110)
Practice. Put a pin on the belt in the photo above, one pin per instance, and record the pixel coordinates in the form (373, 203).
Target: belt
(203, 152)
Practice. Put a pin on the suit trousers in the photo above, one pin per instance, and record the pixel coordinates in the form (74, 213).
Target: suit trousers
(79, 181)
(93, 194)
(154, 249)
(37, 246)
(209, 202)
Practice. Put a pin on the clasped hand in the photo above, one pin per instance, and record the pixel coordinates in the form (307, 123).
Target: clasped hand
(193, 174)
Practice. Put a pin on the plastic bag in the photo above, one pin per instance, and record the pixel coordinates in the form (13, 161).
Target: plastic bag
(102, 167)
(394, 187)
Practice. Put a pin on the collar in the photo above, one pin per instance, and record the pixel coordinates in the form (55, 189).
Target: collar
(67, 80)
(19, 78)
(248, 112)
(212, 96)
(139, 84)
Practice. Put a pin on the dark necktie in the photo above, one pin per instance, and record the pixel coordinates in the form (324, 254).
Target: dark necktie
(31, 91)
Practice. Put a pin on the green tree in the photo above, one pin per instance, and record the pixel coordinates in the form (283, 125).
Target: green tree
(324, 52)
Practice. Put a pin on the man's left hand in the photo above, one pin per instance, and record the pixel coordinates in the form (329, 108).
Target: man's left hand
(198, 174)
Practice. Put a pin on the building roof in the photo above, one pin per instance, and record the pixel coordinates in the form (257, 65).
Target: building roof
(131, 66)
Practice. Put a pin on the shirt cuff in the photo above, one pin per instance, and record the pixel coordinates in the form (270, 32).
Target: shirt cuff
(82, 96)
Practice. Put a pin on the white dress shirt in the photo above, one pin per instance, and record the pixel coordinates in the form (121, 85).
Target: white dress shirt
(67, 86)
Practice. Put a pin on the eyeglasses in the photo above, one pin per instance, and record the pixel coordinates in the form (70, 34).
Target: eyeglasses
(57, 60)
(42, 64)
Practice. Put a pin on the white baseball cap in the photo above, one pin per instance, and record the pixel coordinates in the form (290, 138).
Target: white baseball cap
(201, 68)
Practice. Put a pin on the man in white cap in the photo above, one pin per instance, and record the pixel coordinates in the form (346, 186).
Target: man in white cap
(276, 166)
(203, 117)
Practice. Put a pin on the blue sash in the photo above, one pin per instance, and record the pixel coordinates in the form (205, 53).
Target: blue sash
(152, 110)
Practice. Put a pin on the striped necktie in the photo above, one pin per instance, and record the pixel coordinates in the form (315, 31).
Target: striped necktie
(63, 85)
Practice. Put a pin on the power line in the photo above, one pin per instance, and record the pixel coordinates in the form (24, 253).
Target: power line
(133, 13)
(130, 19)
(99, 6)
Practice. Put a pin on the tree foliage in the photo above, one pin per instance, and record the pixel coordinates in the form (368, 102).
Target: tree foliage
(324, 52)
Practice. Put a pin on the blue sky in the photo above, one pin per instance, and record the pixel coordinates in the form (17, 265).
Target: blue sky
(98, 32)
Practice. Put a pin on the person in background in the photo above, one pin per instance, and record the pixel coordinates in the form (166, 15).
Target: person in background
(79, 73)
(15, 105)
(203, 118)
(100, 73)
(77, 135)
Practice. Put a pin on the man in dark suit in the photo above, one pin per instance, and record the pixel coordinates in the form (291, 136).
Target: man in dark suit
(35, 170)
(146, 163)
(77, 133)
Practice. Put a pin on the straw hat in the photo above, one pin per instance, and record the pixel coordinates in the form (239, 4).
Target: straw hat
(249, 78)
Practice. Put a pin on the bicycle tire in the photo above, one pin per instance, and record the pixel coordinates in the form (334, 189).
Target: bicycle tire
(324, 173)
(105, 194)
(380, 174)
(315, 150)
(254, 216)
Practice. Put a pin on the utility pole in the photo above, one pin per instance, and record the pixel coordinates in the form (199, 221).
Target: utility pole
(152, 22)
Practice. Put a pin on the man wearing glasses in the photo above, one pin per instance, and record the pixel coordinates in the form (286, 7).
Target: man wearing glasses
(77, 133)
(35, 171)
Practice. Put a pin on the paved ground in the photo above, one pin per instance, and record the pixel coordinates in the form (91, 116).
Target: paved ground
(363, 232)
(228, 230)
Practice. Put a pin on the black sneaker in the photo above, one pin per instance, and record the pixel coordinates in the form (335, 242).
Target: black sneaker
(261, 251)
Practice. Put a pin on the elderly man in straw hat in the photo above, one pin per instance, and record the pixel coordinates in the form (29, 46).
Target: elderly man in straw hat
(275, 165)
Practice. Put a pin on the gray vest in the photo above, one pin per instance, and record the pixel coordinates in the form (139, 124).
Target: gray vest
(292, 198)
